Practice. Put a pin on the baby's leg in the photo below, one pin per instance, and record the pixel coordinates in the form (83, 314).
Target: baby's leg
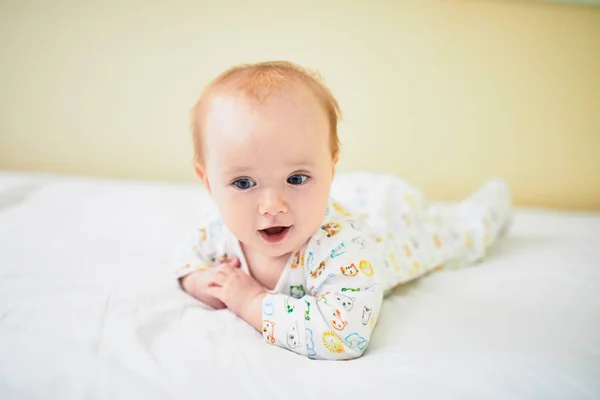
(481, 219)
(417, 236)
(449, 236)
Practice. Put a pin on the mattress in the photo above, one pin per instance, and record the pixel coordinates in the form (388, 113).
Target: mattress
(89, 309)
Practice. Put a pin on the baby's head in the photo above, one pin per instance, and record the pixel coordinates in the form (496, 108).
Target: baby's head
(266, 146)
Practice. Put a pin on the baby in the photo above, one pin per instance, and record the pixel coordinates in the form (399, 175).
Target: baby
(305, 269)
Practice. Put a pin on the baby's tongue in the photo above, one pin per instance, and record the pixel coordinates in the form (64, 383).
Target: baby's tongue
(275, 230)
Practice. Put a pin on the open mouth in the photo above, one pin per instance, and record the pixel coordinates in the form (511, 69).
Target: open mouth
(274, 234)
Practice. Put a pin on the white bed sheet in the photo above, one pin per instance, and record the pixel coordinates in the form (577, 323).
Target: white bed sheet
(89, 310)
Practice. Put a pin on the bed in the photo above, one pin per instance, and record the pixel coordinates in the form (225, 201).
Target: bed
(89, 310)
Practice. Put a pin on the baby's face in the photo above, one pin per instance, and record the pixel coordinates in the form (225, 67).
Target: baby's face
(269, 168)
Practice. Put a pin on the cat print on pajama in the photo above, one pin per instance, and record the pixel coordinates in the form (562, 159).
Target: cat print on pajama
(378, 232)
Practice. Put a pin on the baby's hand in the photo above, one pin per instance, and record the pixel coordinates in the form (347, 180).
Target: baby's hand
(198, 283)
(237, 290)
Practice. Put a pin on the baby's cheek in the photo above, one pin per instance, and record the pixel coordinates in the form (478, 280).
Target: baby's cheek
(311, 208)
(237, 214)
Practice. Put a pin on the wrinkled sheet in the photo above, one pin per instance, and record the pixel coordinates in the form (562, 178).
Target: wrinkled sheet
(89, 309)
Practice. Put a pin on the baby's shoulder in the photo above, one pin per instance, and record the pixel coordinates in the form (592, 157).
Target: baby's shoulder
(342, 247)
(341, 229)
(210, 230)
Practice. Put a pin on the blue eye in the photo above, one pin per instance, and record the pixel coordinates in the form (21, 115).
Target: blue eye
(244, 183)
(297, 179)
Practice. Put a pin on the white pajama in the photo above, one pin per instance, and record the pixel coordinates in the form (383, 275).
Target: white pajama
(379, 232)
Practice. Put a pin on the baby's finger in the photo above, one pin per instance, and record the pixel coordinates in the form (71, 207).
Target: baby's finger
(226, 269)
(235, 263)
(231, 263)
(218, 279)
(214, 291)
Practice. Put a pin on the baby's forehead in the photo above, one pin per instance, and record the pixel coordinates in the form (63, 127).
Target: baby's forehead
(287, 110)
(291, 93)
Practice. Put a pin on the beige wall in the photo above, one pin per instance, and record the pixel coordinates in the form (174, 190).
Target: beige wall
(444, 93)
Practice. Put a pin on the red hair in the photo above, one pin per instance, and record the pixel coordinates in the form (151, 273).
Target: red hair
(258, 81)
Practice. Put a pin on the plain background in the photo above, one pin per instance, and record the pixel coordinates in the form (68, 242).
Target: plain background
(445, 93)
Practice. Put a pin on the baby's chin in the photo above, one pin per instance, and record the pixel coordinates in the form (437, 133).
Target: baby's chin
(280, 250)
(277, 251)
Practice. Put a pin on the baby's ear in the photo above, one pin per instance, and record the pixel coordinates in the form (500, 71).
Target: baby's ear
(201, 173)
(335, 158)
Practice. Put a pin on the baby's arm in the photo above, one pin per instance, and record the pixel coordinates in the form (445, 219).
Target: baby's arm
(197, 283)
(201, 264)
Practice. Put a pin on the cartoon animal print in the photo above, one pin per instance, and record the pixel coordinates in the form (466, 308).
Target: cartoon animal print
(345, 301)
(297, 291)
(366, 267)
(338, 251)
(393, 258)
(298, 259)
(323, 297)
(356, 342)
(373, 321)
(222, 258)
(310, 344)
(414, 242)
(415, 265)
(311, 260)
(289, 309)
(319, 270)
(337, 322)
(202, 234)
(372, 288)
(331, 228)
(269, 330)
(350, 270)
(366, 315)
(268, 308)
(437, 241)
(307, 312)
(360, 242)
(468, 240)
(354, 225)
(332, 342)
(341, 210)
(212, 257)
(293, 340)
(348, 289)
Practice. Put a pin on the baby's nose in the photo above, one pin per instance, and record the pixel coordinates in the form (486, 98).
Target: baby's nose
(272, 202)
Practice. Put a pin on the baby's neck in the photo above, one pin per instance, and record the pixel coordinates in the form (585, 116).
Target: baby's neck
(266, 270)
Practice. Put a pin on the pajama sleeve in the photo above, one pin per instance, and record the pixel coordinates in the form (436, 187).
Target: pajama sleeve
(204, 248)
(336, 317)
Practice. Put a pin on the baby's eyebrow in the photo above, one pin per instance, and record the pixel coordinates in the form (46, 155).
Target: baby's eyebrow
(292, 165)
(236, 170)
(300, 164)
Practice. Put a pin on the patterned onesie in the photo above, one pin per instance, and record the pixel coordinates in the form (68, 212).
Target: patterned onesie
(326, 302)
